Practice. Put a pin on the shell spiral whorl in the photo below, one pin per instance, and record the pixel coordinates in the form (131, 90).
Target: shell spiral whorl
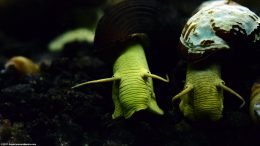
(119, 24)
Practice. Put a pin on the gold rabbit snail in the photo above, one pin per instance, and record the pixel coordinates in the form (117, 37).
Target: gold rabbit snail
(211, 32)
(125, 29)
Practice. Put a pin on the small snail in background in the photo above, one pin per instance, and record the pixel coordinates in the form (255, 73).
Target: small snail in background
(216, 29)
(122, 35)
(23, 65)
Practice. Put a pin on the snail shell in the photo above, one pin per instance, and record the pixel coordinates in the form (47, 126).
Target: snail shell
(216, 26)
(23, 65)
(125, 21)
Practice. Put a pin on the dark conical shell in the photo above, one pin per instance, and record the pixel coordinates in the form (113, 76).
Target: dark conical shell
(123, 22)
(217, 26)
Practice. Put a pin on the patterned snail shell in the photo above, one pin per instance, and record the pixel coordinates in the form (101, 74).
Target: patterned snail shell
(217, 25)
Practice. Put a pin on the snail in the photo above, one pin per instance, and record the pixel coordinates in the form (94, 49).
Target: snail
(216, 30)
(123, 35)
(23, 65)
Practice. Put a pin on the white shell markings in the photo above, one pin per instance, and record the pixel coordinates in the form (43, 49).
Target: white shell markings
(216, 23)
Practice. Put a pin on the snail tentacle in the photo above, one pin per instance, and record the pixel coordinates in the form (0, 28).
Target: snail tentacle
(189, 87)
(97, 81)
(148, 74)
(221, 84)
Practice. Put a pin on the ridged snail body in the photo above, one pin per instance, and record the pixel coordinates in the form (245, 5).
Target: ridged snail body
(217, 28)
(122, 34)
(202, 97)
